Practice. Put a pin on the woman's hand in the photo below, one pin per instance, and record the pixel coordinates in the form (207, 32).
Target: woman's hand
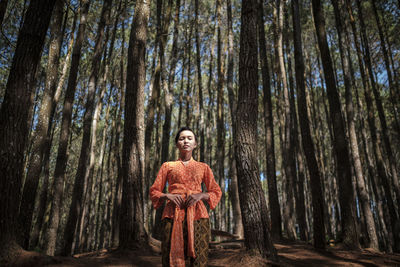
(176, 199)
(193, 199)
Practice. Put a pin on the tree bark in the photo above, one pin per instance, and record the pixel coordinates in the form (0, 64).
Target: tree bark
(132, 230)
(379, 164)
(14, 116)
(61, 162)
(364, 198)
(274, 207)
(85, 170)
(220, 152)
(252, 200)
(234, 193)
(343, 166)
(307, 142)
(41, 138)
(381, 112)
(392, 85)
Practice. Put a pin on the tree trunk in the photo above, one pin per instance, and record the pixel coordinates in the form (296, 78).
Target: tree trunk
(307, 142)
(199, 82)
(274, 207)
(381, 112)
(252, 200)
(132, 230)
(346, 193)
(234, 193)
(220, 152)
(41, 138)
(392, 86)
(61, 162)
(84, 171)
(14, 116)
(379, 164)
(116, 216)
(364, 198)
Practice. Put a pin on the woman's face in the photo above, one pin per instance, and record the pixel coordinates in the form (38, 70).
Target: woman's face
(186, 141)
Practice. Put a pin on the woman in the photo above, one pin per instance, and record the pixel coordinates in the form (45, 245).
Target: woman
(186, 225)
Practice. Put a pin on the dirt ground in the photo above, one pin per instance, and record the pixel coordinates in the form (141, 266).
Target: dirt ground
(290, 254)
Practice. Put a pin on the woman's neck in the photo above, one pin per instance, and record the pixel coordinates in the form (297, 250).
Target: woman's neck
(185, 156)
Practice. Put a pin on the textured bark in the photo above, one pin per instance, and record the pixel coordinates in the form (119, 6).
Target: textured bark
(394, 97)
(116, 216)
(379, 163)
(199, 82)
(220, 152)
(234, 193)
(381, 113)
(361, 188)
(307, 142)
(41, 138)
(85, 170)
(343, 166)
(61, 162)
(14, 112)
(132, 230)
(274, 207)
(252, 200)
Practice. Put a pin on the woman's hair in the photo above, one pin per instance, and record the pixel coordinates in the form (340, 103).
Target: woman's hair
(185, 128)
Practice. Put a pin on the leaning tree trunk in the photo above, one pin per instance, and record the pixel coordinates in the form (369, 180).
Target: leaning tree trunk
(252, 200)
(61, 162)
(381, 113)
(131, 226)
(276, 220)
(392, 85)
(288, 153)
(343, 166)
(41, 138)
(14, 116)
(82, 173)
(364, 197)
(307, 142)
(379, 164)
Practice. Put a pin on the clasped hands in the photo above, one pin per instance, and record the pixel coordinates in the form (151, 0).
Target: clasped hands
(178, 200)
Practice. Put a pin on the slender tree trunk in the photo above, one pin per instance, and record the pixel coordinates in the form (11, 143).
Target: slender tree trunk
(41, 138)
(307, 142)
(116, 216)
(373, 131)
(234, 192)
(346, 194)
(252, 200)
(392, 85)
(364, 198)
(132, 230)
(83, 172)
(274, 206)
(14, 114)
(289, 162)
(220, 152)
(199, 82)
(381, 113)
(61, 162)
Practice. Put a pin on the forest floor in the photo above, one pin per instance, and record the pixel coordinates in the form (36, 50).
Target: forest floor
(221, 254)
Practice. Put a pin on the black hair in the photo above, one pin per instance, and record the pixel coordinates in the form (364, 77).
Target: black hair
(185, 128)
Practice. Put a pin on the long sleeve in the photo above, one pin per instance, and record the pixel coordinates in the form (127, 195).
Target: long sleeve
(156, 190)
(213, 188)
